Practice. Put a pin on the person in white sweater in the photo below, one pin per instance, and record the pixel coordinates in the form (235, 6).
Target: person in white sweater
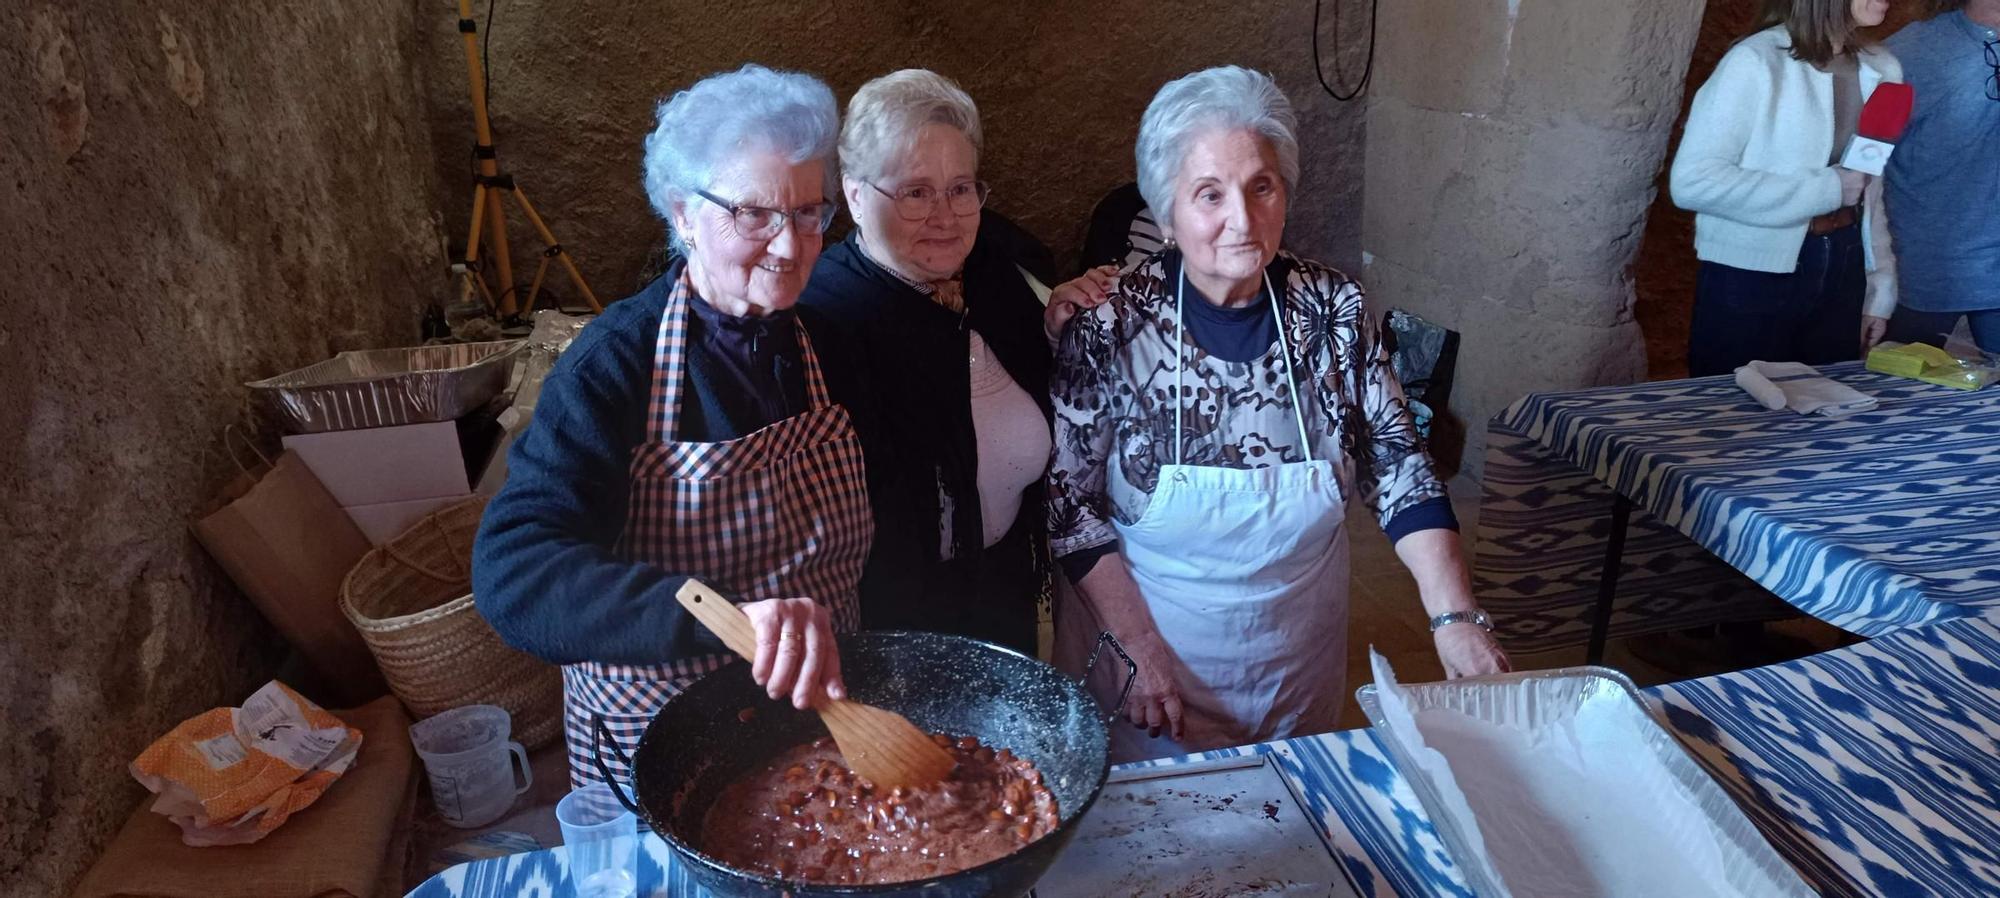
(1796, 262)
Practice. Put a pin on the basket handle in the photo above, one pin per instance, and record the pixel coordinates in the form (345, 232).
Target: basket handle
(599, 736)
(390, 549)
(464, 572)
(230, 448)
(444, 533)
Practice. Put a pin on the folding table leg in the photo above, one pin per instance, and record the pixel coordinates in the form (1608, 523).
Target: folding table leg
(1607, 580)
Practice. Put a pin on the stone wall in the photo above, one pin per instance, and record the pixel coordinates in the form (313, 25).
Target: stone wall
(1512, 150)
(195, 195)
(1060, 88)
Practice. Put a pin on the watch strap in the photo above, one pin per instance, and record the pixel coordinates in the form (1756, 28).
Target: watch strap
(1475, 616)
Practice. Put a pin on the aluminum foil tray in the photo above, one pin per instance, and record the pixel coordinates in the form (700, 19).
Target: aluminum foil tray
(1635, 789)
(381, 387)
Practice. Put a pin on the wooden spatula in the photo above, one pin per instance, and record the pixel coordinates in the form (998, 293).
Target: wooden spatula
(880, 746)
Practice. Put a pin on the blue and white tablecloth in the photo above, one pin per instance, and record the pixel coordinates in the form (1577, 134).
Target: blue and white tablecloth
(1543, 528)
(1874, 769)
(1871, 522)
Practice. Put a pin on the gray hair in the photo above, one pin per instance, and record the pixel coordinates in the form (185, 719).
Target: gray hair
(885, 115)
(1226, 98)
(752, 108)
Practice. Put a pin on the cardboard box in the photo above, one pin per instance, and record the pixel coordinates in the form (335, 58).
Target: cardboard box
(381, 465)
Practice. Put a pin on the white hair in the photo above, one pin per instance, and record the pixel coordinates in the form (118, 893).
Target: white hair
(1222, 98)
(753, 108)
(886, 114)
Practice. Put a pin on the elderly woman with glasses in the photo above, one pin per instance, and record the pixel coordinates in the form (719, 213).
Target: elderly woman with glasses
(694, 431)
(1214, 419)
(943, 300)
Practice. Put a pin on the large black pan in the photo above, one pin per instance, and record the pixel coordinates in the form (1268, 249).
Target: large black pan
(701, 741)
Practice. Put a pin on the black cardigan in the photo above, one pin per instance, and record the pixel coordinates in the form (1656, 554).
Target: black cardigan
(545, 572)
(919, 439)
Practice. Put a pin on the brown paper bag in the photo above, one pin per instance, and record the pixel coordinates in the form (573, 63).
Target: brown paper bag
(349, 844)
(287, 544)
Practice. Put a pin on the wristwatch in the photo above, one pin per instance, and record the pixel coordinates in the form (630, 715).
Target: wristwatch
(1475, 616)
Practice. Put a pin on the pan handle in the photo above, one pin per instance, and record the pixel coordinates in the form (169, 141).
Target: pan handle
(1131, 670)
(600, 735)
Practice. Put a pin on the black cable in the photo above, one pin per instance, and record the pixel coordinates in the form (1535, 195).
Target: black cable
(486, 72)
(1367, 68)
(485, 76)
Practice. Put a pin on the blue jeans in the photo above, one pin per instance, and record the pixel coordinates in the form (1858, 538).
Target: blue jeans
(1810, 315)
(1911, 326)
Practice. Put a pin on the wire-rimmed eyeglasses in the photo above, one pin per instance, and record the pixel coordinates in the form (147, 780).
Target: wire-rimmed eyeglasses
(764, 223)
(1993, 62)
(915, 202)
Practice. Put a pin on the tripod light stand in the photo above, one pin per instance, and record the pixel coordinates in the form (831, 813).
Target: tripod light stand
(490, 186)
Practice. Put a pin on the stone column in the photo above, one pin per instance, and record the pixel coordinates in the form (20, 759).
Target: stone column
(1512, 151)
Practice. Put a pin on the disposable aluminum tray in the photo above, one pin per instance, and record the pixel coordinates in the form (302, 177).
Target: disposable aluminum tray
(1553, 700)
(381, 387)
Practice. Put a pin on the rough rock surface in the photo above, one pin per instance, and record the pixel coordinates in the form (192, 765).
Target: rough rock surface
(192, 195)
(1060, 87)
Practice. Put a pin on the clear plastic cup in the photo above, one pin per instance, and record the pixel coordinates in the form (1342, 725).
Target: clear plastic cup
(602, 840)
(467, 753)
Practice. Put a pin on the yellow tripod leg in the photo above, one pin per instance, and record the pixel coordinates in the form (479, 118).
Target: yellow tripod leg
(562, 255)
(535, 288)
(489, 165)
(471, 264)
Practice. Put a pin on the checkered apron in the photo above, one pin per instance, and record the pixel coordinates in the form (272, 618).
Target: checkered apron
(780, 513)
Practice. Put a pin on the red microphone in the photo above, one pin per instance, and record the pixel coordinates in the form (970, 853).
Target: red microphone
(1883, 119)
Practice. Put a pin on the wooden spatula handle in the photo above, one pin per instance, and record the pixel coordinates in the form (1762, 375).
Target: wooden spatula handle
(881, 746)
(721, 617)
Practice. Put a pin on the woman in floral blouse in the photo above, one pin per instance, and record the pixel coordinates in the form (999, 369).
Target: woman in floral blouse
(1195, 502)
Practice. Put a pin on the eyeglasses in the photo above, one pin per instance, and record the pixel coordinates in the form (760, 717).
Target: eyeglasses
(1993, 59)
(917, 201)
(761, 223)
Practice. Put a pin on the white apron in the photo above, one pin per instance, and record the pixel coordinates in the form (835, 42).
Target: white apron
(1245, 573)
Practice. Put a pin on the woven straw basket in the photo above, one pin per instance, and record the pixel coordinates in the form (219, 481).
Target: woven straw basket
(411, 599)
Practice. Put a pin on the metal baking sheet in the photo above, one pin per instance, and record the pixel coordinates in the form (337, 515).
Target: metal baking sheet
(382, 387)
(1232, 827)
(1563, 782)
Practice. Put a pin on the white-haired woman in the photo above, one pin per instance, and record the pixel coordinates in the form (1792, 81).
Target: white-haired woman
(943, 301)
(690, 432)
(1214, 419)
